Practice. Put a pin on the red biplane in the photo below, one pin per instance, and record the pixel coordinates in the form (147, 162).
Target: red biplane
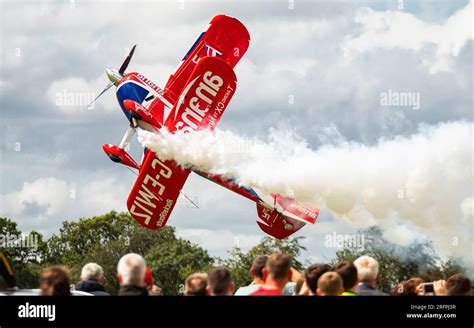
(194, 98)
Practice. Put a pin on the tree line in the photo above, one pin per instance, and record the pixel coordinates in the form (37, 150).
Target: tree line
(105, 238)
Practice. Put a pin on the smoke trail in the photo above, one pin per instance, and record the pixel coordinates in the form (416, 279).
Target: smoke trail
(422, 184)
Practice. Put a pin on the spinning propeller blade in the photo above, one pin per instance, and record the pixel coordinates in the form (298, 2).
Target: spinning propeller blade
(127, 61)
(100, 94)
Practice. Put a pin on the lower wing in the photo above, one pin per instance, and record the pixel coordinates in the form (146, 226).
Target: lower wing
(155, 191)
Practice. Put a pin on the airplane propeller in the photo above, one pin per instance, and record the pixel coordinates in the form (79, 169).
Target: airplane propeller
(114, 75)
(127, 61)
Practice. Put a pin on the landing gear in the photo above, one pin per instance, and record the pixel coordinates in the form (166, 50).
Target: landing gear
(118, 153)
(139, 117)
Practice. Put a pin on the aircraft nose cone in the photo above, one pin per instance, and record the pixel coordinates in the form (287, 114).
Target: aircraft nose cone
(113, 75)
(109, 72)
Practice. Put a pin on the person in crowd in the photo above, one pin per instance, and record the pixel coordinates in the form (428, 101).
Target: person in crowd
(311, 276)
(148, 278)
(277, 273)
(368, 273)
(153, 290)
(298, 286)
(196, 285)
(7, 279)
(92, 280)
(289, 289)
(55, 281)
(330, 284)
(407, 287)
(399, 289)
(456, 285)
(348, 272)
(256, 271)
(220, 282)
(131, 271)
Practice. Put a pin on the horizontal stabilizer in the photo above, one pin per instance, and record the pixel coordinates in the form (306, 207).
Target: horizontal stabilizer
(276, 224)
(288, 207)
(291, 208)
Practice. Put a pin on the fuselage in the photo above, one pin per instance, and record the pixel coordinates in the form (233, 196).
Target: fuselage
(135, 86)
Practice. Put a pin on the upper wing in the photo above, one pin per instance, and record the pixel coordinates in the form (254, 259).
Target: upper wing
(204, 98)
(225, 37)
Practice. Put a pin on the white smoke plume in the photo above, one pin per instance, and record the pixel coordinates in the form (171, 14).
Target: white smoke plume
(414, 186)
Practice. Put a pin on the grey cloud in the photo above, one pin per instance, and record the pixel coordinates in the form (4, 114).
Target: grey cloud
(284, 59)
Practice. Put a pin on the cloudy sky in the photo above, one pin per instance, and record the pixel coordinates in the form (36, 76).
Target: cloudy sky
(316, 68)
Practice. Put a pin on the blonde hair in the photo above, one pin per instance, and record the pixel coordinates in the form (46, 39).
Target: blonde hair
(330, 284)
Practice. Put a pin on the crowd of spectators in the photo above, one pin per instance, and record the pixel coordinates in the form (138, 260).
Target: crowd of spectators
(273, 275)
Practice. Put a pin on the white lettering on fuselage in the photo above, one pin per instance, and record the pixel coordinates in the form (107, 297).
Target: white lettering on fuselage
(150, 83)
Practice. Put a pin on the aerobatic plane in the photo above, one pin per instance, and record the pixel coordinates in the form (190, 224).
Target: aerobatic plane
(194, 98)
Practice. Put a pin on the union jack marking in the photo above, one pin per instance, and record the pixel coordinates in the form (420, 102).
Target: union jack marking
(211, 52)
